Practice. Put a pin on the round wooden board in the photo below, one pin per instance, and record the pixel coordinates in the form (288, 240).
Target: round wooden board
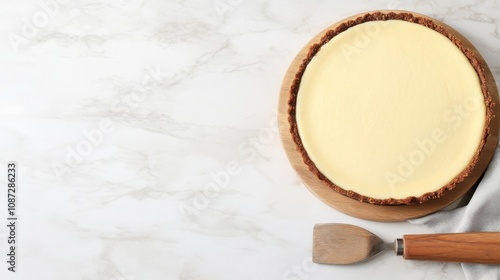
(374, 212)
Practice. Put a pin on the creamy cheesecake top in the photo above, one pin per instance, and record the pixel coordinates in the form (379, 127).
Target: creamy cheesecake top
(390, 109)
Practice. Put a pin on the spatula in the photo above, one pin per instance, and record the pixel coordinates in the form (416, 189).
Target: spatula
(346, 244)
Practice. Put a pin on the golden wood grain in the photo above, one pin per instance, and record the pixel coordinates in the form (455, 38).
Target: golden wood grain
(472, 247)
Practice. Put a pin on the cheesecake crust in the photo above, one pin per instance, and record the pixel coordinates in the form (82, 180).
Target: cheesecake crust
(381, 16)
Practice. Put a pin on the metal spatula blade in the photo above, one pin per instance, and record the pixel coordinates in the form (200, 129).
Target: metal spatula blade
(346, 244)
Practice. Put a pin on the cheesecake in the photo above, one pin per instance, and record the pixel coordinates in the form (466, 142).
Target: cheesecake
(390, 109)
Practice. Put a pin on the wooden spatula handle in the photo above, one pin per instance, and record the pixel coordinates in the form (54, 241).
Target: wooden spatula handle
(473, 247)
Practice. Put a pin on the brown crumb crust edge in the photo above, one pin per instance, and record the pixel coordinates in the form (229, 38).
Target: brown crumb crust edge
(380, 16)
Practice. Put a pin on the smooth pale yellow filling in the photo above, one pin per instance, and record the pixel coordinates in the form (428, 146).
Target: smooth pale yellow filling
(390, 110)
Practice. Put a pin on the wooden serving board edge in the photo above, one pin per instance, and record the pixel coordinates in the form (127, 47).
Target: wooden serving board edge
(382, 213)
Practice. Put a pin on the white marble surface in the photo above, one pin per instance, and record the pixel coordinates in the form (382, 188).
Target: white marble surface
(184, 176)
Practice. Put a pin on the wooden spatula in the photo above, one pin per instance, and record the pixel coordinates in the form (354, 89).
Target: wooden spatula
(346, 244)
